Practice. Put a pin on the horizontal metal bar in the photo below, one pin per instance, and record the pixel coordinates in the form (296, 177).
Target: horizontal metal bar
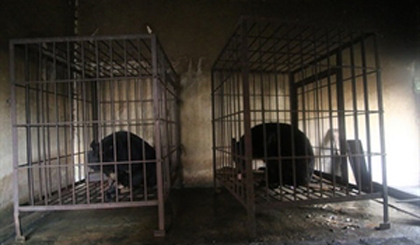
(80, 80)
(330, 53)
(89, 206)
(148, 121)
(294, 203)
(81, 164)
(80, 38)
(317, 77)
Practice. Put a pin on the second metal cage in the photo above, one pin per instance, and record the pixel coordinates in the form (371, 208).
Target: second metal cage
(298, 116)
(68, 93)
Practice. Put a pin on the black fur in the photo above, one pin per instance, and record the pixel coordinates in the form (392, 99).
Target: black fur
(122, 155)
(277, 143)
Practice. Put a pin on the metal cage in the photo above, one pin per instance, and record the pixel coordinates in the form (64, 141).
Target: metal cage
(298, 117)
(68, 93)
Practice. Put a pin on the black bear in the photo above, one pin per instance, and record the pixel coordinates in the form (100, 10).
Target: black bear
(280, 144)
(124, 143)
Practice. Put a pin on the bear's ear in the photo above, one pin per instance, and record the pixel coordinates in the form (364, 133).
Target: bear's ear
(95, 146)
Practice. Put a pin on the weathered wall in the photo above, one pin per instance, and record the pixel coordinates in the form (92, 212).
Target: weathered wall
(193, 32)
(23, 19)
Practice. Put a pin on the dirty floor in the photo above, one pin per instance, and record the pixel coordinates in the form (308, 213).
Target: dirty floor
(200, 218)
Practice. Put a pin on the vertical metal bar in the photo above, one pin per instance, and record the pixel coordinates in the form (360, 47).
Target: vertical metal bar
(358, 175)
(77, 120)
(315, 112)
(232, 124)
(47, 120)
(102, 130)
(263, 105)
(156, 99)
(57, 129)
(293, 101)
(112, 115)
(277, 87)
(321, 130)
(144, 119)
(247, 130)
(367, 111)
(213, 124)
(341, 116)
(295, 127)
(66, 118)
(228, 128)
(117, 120)
(128, 82)
(136, 86)
(235, 88)
(178, 132)
(95, 103)
(165, 120)
(322, 156)
(385, 224)
(98, 98)
(70, 101)
(222, 125)
(95, 111)
(18, 230)
(42, 116)
(330, 117)
(137, 100)
(28, 127)
(38, 121)
(85, 119)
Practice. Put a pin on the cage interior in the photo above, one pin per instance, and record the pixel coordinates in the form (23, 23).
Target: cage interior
(277, 83)
(71, 92)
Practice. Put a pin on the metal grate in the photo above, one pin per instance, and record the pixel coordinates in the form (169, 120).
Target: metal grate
(298, 116)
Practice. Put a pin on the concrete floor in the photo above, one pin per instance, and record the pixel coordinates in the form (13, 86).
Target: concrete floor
(202, 219)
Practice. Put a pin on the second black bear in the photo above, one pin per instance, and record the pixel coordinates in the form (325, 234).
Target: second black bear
(280, 144)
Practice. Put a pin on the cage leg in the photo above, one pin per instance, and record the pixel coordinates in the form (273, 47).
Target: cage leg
(216, 187)
(386, 224)
(19, 237)
(252, 228)
(160, 232)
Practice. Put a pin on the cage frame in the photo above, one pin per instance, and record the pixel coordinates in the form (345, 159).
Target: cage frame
(162, 77)
(239, 63)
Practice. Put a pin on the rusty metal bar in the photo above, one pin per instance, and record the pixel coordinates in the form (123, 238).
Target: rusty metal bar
(88, 206)
(18, 229)
(341, 117)
(357, 175)
(367, 113)
(247, 130)
(57, 129)
(386, 224)
(157, 97)
(42, 146)
(28, 128)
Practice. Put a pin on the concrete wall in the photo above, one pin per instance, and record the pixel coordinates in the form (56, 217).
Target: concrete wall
(193, 32)
(23, 19)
